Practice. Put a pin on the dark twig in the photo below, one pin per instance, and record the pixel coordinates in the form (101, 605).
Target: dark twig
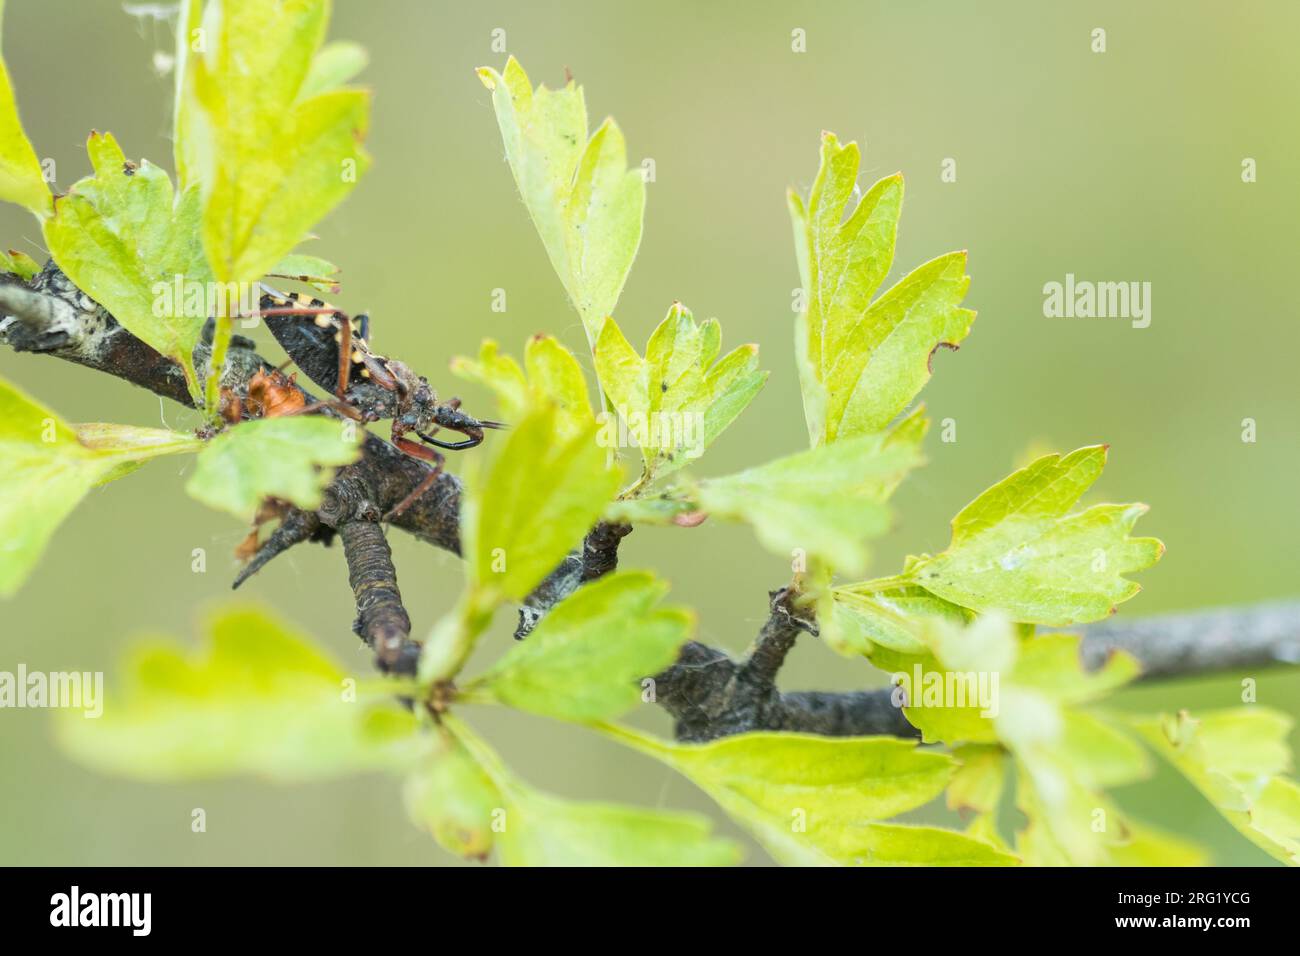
(711, 695)
(597, 557)
(295, 527)
(1214, 639)
(382, 621)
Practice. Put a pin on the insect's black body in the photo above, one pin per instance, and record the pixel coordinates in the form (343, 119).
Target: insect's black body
(330, 348)
(313, 341)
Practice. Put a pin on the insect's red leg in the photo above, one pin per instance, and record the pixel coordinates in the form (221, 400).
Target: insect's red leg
(416, 450)
(343, 408)
(378, 373)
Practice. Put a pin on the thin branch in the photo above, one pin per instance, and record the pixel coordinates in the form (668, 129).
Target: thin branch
(382, 621)
(597, 556)
(1214, 639)
(708, 693)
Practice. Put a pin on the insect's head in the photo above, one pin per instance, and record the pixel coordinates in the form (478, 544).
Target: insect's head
(417, 403)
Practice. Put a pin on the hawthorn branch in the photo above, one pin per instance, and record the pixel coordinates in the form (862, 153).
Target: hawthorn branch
(708, 693)
(597, 556)
(712, 695)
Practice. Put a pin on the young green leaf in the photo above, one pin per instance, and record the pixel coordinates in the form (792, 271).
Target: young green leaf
(286, 458)
(536, 501)
(569, 668)
(273, 157)
(19, 264)
(452, 797)
(977, 784)
(882, 622)
(21, 179)
(335, 64)
(554, 376)
(825, 502)
(986, 685)
(676, 400)
(675, 504)
(1236, 758)
(128, 242)
(983, 684)
(586, 204)
(319, 273)
(861, 362)
(1015, 548)
(49, 467)
(258, 698)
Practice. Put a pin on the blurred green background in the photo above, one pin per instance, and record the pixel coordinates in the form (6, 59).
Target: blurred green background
(1117, 166)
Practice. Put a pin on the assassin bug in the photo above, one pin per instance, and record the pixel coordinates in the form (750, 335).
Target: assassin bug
(331, 348)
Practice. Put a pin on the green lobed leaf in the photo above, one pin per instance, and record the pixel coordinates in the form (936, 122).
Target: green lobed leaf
(570, 667)
(814, 800)
(1237, 759)
(824, 502)
(986, 685)
(553, 375)
(271, 160)
(677, 399)
(128, 241)
(257, 698)
(861, 363)
(22, 180)
(536, 501)
(288, 458)
(586, 204)
(1015, 548)
(49, 467)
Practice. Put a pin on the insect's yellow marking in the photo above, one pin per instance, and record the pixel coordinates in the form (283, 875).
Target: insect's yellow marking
(324, 322)
(356, 356)
(365, 373)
